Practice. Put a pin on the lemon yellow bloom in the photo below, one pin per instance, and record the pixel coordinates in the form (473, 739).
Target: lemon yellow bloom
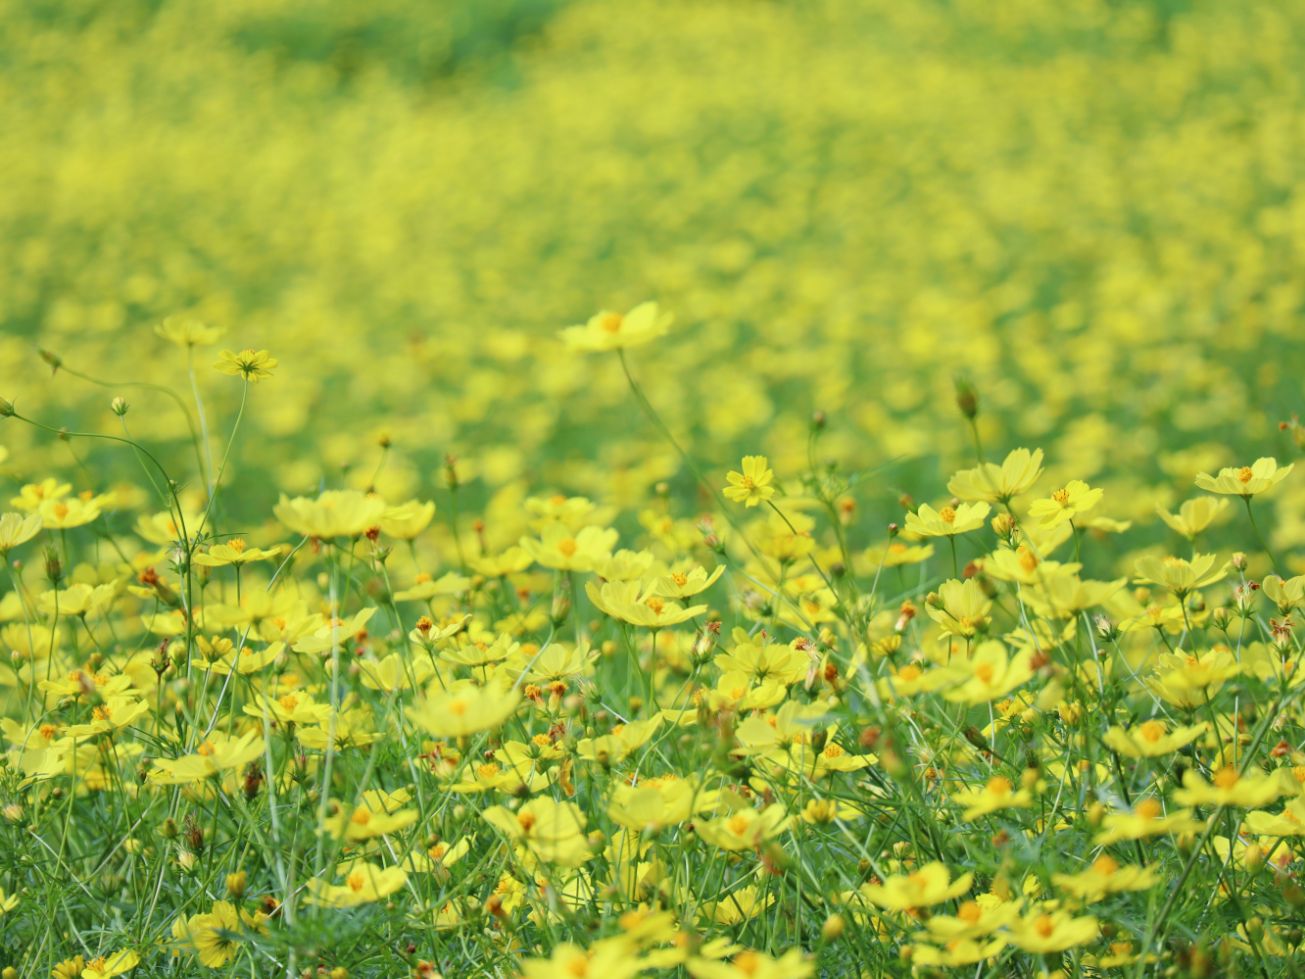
(755, 484)
(67, 513)
(550, 831)
(746, 829)
(105, 967)
(931, 884)
(1286, 594)
(559, 548)
(958, 953)
(1194, 516)
(996, 795)
(1246, 481)
(1228, 787)
(961, 609)
(463, 708)
(1150, 739)
(994, 483)
(1106, 876)
(630, 602)
(364, 883)
(614, 331)
(407, 520)
(217, 754)
(748, 964)
(216, 936)
(1179, 575)
(947, 521)
(252, 365)
(1043, 933)
(17, 529)
(335, 513)
(1066, 503)
(234, 551)
(973, 919)
(1289, 822)
(188, 331)
(1147, 819)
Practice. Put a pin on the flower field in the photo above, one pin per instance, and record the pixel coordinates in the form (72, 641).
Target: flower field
(738, 489)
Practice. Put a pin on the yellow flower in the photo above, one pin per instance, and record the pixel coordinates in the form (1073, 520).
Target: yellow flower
(1179, 575)
(234, 551)
(996, 795)
(1066, 503)
(65, 514)
(16, 529)
(989, 674)
(1287, 595)
(188, 331)
(1228, 787)
(746, 829)
(547, 830)
(1289, 822)
(752, 486)
(685, 584)
(363, 823)
(629, 602)
(219, 753)
(612, 331)
(335, 513)
(407, 520)
(958, 953)
(252, 365)
(215, 936)
(1147, 819)
(653, 803)
(928, 522)
(1150, 739)
(463, 708)
(104, 967)
(363, 884)
(1194, 516)
(748, 964)
(998, 484)
(931, 884)
(973, 919)
(559, 548)
(1190, 680)
(1106, 876)
(1043, 933)
(7, 902)
(32, 495)
(961, 608)
(1245, 481)
(610, 959)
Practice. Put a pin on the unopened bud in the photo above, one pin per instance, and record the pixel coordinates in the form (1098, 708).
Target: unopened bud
(118, 406)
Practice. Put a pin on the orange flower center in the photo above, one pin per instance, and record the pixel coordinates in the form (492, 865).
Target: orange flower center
(611, 322)
(1244, 474)
(947, 514)
(1153, 731)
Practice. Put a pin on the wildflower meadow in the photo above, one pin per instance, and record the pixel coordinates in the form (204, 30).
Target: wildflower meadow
(730, 489)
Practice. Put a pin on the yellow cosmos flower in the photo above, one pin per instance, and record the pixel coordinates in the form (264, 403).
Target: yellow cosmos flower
(960, 608)
(217, 754)
(1180, 575)
(604, 960)
(407, 520)
(631, 602)
(335, 513)
(973, 919)
(1151, 739)
(188, 331)
(1246, 481)
(364, 883)
(959, 953)
(252, 365)
(614, 331)
(1147, 819)
(685, 584)
(1044, 933)
(234, 551)
(7, 902)
(69, 512)
(1228, 787)
(653, 803)
(755, 484)
(994, 483)
(948, 521)
(748, 964)
(989, 674)
(931, 884)
(216, 936)
(1066, 503)
(996, 795)
(105, 967)
(550, 831)
(363, 823)
(561, 549)
(1194, 516)
(746, 829)
(17, 529)
(1106, 876)
(463, 708)
(1289, 822)
(1286, 594)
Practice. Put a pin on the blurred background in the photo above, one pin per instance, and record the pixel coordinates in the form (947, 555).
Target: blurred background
(1093, 209)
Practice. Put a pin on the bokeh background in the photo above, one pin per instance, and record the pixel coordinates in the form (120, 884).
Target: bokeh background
(1093, 209)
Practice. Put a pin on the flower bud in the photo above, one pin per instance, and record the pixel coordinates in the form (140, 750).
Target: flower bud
(118, 406)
